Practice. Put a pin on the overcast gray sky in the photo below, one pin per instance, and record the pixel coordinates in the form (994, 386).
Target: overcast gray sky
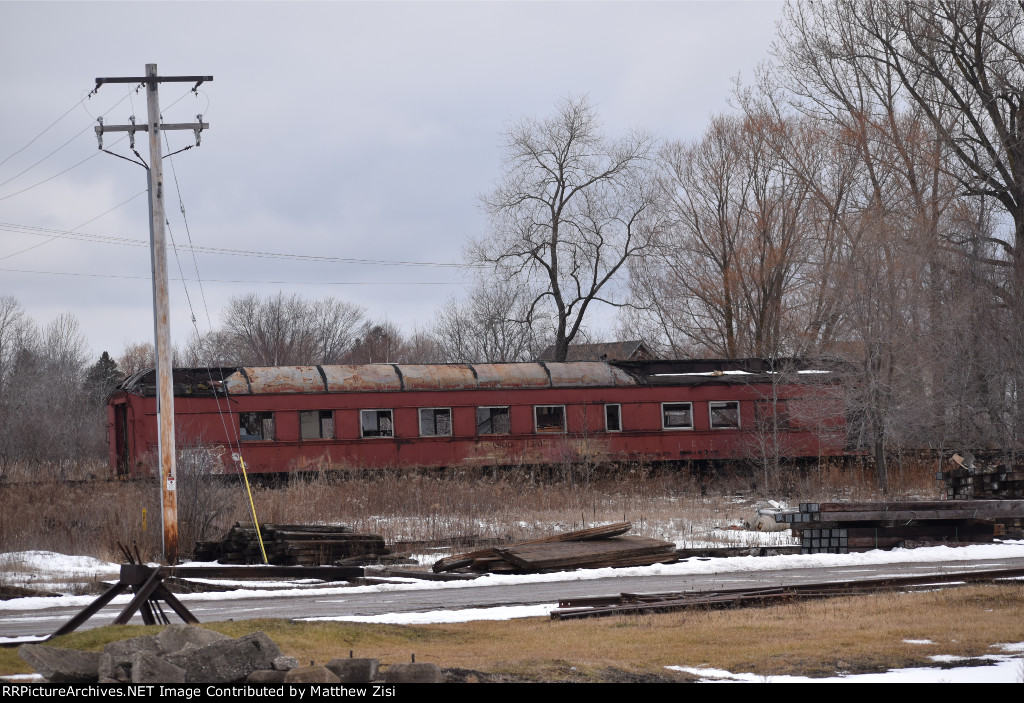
(338, 129)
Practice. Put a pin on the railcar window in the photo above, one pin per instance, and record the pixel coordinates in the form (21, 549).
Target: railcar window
(724, 414)
(677, 416)
(316, 424)
(492, 420)
(769, 415)
(255, 426)
(550, 418)
(613, 417)
(435, 422)
(376, 423)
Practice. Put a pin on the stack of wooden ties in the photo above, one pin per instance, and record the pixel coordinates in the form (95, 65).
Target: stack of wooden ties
(593, 548)
(291, 545)
(839, 528)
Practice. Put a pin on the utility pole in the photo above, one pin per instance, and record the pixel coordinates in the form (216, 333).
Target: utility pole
(161, 301)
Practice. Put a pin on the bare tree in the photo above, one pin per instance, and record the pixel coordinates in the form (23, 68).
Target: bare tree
(571, 208)
(722, 274)
(493, 325)
(378, 343)
(284, 331)
(15, 330)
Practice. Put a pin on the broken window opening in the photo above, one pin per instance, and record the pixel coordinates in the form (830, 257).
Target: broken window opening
(255, 426)
(768, 414)
(677, 416)
(549, 418)
(376, 423)
(725, 414)
(613, 417)
(493, 420)
(435, 422)
(316, 424)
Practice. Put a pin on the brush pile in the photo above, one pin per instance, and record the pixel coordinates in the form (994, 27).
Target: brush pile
(293, 545)
(593, 548)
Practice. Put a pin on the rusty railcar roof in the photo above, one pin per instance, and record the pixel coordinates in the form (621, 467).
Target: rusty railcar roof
(354, 378)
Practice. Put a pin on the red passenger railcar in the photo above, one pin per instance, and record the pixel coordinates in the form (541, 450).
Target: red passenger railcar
(297, 418)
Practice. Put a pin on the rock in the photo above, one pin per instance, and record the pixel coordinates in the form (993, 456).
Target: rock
(175, 638)
(116, 660)
(414, 673)
(226, 661)
(124, 650)
(113, 671)
(311, 674)
(283, 663)
(149, 668)
(354, 670)
(266, 676)
(61, 665)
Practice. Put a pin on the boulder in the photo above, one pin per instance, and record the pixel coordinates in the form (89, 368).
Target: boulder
(175, 638)
(226, 661)
(61, 665)
(149, 668)
(283, 663)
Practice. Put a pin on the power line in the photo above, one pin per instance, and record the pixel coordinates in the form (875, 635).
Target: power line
(68, 234)
(224, 280)
(220, 251)
(45, 180)
(76, 136)
(33, 139)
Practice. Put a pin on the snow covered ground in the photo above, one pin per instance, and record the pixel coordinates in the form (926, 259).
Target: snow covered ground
(53, 571)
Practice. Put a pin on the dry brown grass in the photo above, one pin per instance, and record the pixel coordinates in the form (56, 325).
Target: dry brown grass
(90, 518)
(816, 638)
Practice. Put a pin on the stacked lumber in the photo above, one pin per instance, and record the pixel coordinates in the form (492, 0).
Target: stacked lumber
(292, 545)
(983, 483)
(592, 548)
(839, 528)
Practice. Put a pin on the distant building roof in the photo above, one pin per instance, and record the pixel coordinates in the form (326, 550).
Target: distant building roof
(634, 350)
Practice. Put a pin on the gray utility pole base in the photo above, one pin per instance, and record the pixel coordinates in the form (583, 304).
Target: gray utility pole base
(161, 301)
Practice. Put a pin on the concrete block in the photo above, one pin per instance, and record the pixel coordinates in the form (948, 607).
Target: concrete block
(266, 676)
(311, 674)
(354, 670)
(413, 673)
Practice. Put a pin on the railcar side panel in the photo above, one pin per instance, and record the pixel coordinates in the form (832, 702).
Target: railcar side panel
(542, 424)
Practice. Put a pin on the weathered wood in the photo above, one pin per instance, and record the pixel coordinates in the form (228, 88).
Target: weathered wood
(575, 554)
(457, 561)
(1016, 506)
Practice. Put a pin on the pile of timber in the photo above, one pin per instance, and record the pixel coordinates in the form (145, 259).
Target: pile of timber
(968, 482)
(593, 548)
(840, 528)
(293, 545)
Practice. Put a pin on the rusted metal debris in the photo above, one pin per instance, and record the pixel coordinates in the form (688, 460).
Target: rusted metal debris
(636, 603)
(593, 548)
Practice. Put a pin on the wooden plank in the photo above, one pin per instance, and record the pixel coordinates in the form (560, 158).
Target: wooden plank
(613, 529)
(866, 516)
(903, 506)
(572, 554)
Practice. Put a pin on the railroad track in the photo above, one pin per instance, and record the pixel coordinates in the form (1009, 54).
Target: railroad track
(636, 603)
